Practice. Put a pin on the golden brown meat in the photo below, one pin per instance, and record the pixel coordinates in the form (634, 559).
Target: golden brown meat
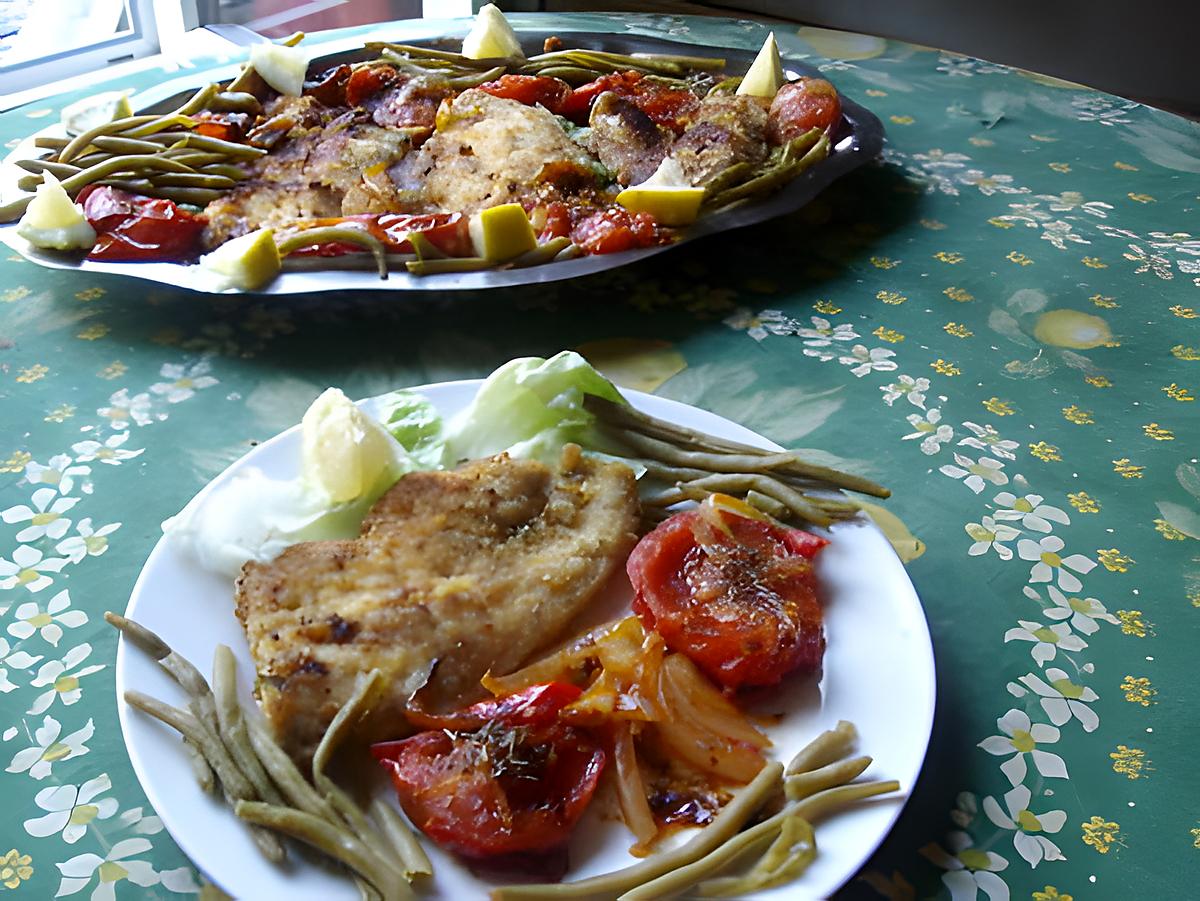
(474, 568)
(729, 128)
(627, 141)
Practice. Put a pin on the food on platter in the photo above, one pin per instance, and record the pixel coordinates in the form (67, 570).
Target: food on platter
(474, 568)
(440, 616)
(395, 156)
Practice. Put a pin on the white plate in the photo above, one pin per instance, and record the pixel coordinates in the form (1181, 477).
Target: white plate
(878, 674)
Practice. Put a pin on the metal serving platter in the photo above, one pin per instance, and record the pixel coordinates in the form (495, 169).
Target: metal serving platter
(859, 140)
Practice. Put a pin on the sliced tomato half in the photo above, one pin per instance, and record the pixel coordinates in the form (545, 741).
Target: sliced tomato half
(735, 594)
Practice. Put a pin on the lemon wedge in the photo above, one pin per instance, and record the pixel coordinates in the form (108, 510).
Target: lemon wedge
(53, 221)
(283, 68)
(491, 36)
(344, 453)
(668, 204)
(91, 112)
(502, 232)
(765, 76)
(246, 263)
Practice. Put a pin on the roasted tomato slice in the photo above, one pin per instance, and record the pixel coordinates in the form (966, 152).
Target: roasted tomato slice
(735, 594)
(670, 107)
(530, 90)
(803, 105)
(368, 81)
(516, 784)
(446, 231)
(131, 228)
(615, 229)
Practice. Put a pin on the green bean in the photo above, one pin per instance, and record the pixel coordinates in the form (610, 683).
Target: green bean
(728, 177)
(60, 170)
(179, 140)
(702, 460)
(235, 102)
(840, 772)
(147, 188)
(570, 252)
(81, 142)
(627, 417)
(49, 143)
(120, 164)
(543, 253)
(337, 234)
(831, 745)
(772, 177)
(193, 158)
(233, 725)
(454, 264)
(200, 767)
(463, 82)
(330, 840)
(416, 861)
(720, 831)
(287, 778)
(194, 104)
(792, 852)
(726, 86)
(228, 170)
(192, 180)
(161, 123)
(214, 752)
(242, 80)
(406, 64)
(424, 248)
(293, 39)
(731, 482)
(810, 808)
(29, 182)
(575, 75)
(126, 146)
(765, 504)
(411, 50)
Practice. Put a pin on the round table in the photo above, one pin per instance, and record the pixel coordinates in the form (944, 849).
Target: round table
(1000, 319)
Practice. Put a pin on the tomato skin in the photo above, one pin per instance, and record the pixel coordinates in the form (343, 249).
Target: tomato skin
(672, 108)
(523, 795)
(615, 229)
(449, 232)
(131, 228)
(530, 90)
(742, 606)
(803, 105)
(368, 81)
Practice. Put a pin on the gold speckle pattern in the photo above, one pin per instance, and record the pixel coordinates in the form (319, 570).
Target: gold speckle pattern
(884, 263)
(890, 297)
(1094, 263)
(932, 224)
(1099, 381)
(998, 407)
(1129, 762)
(1140, 198)
(33, 373)
(1125, 167)
(90, 294)
(1101, 834)
(1104, 303)
(1046, 452)
(1138, 690)
(15, 868)
(828, 307)
(1183, 312)
(902, 120)
(942, 367)
(1157, 432)
(1050, 893)
(16, 462)
(1062, 168)
(1183, 352)
(12, 295)
(958, 294)
(1127, 469)
(953, 257)
(1078, 416)
(1168, 531)
(889, 335)
(1114, 561)
(1019, 258)
(94, 331)
(957, 330)
(1133, 624)
(61, 413)
(113, 370)
(1084, 502)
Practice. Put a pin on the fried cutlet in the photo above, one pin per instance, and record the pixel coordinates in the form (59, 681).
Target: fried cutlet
(474, 568)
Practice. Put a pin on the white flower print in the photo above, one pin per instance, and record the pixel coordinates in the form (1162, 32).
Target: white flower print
(938, 158)
(1048, 561)
(930, 429)
(1062, 699)
(1149, 261)
(989, 535)
(1022, 736)
(48, 748)
(1102, 109)
(908, 387)
(115, 866)
(965, 810)
(123, 409)
(990, 184)
(986, 438)
(63, 678)
(17, 660)
(862, 361)
(1029, 509)
(1027, 826)
(32, 618)
(111, 451)
(968, 870)
(72, 809)
(28, 568)
(58, 473)
(1083, 612)
(822, 334)
(133, 820)
(973, 474)
(185, 380)
(1069, 201)
(966, 66)
(1060, 233)
(88, 543)
(1047, 640)
(45, 517)
(768, 322)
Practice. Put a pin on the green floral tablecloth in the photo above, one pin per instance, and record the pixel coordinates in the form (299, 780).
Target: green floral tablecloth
(1001, 319)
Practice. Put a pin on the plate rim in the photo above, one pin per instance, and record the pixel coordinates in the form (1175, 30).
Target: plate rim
(927, 656)
(865, 137)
